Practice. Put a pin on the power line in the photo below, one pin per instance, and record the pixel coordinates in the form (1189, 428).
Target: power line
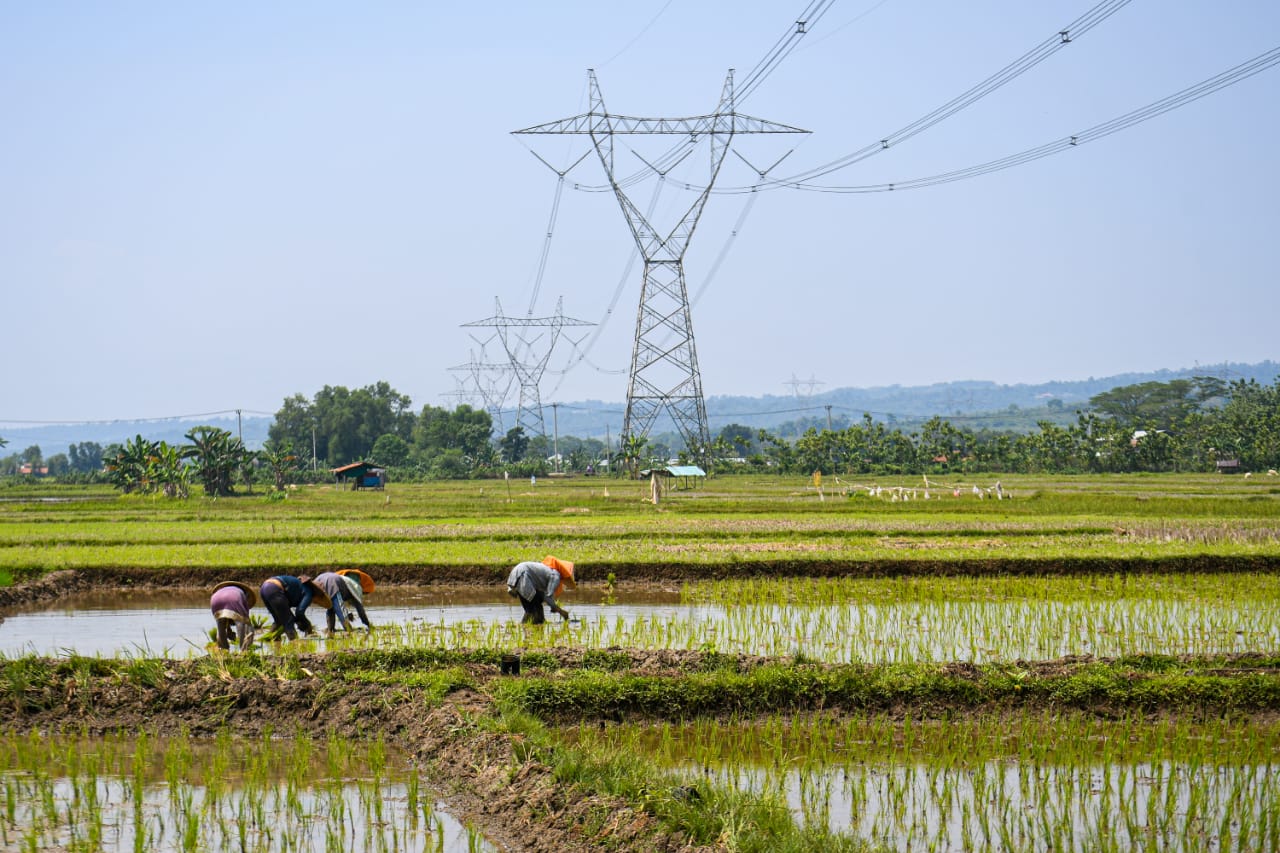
(1230, 77)
(638, 35)
(773, 58)
(802, 26)
(785, 45)
(973, 94)
(846, 24)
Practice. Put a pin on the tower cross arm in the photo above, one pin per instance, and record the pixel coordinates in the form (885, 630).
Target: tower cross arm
(503, 322)
(480, 365)
(588, 123)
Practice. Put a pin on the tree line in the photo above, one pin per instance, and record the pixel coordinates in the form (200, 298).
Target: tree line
(1185, 425)
(1182, 425)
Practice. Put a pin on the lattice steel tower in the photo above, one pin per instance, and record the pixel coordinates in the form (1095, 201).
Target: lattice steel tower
(490, 381)
(664, 360)
(527, 365)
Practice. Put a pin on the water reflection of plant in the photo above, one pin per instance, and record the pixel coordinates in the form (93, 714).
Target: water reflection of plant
(902, 620)
(146, 792)
(1043, 779)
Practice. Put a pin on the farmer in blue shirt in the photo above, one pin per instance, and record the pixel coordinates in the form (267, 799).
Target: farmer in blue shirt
(286, 597)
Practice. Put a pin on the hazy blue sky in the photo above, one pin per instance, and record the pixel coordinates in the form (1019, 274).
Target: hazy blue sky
(215, 206)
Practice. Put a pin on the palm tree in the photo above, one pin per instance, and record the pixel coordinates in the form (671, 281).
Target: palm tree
(217, 455)
(630, 450)
(132, 468)
(172, 476)
(280, 458)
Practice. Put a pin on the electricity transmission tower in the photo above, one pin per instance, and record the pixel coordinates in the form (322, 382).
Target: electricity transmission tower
(664, 360)
(803, 389)
(525, 363)
(489, 380)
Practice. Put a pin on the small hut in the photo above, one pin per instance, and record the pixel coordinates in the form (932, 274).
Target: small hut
(685, 476)
(361, 475)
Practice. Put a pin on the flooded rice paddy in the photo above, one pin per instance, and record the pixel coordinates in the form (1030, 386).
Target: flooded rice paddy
(840, 621)
(140, 793)
(992, 784)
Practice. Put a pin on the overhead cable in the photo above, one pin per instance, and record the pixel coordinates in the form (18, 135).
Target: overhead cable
(782, 48)
(973, 94)
(638, 35)
(1230, 77)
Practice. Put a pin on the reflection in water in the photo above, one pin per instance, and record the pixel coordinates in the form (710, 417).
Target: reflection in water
(915, 630)
(127, 792)
(1038, 781)
(175, 623)
(1004, 805)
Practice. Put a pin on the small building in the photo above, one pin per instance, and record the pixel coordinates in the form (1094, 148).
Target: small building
(361, 475)
(685, 475)
(1228, 466)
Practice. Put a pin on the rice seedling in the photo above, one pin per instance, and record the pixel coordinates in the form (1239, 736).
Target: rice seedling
(900, 620)
(1033, 781)
(142, 792)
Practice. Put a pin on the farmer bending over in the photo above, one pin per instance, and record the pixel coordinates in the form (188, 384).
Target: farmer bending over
(328, 589)
(230, 603)
(358, 583)
(286, 597)
(535, 583)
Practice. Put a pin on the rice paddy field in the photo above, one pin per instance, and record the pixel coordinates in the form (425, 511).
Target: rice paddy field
(757, 663)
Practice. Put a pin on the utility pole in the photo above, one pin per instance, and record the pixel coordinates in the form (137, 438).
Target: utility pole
(239, 427)
(664, 360)
(830, 445)
(313, 448)
(555, 426)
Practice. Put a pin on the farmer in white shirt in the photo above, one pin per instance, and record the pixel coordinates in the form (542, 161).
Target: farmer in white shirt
(537, 583)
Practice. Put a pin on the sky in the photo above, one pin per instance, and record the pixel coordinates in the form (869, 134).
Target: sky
(210, 207)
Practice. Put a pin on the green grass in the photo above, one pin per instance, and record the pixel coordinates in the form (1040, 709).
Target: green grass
(1107, 687)
(606, 525)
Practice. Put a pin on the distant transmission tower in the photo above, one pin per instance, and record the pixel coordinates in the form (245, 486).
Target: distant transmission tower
(527, 366)
(664, 360)
(490, 381)
(803, 389)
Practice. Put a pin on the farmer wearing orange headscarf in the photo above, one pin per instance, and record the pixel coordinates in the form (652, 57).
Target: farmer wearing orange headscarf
(535, 583)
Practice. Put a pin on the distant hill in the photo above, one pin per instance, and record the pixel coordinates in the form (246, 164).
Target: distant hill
(56, 438)
(971, 403)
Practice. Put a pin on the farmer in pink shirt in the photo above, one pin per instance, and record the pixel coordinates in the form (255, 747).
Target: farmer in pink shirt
(230, 603)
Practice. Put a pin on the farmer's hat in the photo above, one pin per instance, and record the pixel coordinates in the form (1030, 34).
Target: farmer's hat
(565, 568)
(318, 595)
(366, 582)
(248, 591)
